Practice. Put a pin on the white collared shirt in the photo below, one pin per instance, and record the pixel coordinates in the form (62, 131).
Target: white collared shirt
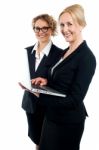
(39, 56)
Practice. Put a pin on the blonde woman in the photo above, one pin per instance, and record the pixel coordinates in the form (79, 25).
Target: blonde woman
(65, 117)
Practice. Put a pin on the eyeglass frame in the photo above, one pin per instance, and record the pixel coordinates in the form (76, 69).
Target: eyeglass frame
(41, 29)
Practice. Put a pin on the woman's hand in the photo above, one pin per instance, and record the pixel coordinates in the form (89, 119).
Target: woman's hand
(24, 88)
(39, 81)
(36, 94)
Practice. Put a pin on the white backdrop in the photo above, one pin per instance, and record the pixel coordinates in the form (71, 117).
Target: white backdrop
(15, 34)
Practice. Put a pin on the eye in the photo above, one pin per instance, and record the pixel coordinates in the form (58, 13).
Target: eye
(62, 25)
(45, 27)
(36, 29)
(69, 24)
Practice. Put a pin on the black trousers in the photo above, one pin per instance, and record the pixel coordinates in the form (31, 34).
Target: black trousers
(61, 136)
(35, 122)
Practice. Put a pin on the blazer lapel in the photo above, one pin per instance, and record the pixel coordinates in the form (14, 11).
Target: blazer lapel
(49, 60)
(53, 56)
(31, 58)
(66, 59)
(63, 62)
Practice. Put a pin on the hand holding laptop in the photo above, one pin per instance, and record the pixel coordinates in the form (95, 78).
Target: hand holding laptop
(39, 85)
(39, 81)
(25, 88)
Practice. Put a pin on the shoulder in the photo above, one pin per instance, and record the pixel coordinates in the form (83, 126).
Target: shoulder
(29, 49)
(87, 58)
(87, 53)
(55, 51)
(56, 47)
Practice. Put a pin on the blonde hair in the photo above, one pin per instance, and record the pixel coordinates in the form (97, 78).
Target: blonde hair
(77, 13)
(50, 21)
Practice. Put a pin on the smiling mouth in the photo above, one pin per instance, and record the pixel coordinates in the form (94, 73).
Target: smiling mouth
(43, 35)
(67, 36)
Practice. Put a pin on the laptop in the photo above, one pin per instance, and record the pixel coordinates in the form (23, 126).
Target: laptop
(26, 81)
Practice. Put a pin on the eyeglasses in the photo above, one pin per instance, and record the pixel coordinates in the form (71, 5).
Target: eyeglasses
(43, 29)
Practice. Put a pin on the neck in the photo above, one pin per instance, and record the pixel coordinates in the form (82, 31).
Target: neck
(75, 44)
(41, 45)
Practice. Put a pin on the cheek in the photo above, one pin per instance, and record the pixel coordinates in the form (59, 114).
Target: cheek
(36, 36)
(62, 31)
(48, 35)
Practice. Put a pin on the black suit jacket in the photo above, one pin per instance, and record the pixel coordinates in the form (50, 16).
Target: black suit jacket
(29, 100)
(71, 77)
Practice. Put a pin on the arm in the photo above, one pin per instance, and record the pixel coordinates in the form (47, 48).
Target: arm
(81, 81)
(79, 87)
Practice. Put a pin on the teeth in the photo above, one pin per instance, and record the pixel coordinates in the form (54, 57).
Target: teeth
(41, 36)
(67, 35)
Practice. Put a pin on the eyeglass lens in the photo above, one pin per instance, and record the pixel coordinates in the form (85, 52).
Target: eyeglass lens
(43, 29)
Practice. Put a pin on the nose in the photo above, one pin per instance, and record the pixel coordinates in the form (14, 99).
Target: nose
(65, 28)
(40, 32)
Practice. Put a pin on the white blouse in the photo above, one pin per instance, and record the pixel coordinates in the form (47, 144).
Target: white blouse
(39, 57)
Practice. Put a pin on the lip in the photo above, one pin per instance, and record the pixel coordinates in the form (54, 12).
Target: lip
(67, 35)
(41, 36)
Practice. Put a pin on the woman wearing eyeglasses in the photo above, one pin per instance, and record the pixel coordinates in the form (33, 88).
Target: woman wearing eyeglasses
(42, 55)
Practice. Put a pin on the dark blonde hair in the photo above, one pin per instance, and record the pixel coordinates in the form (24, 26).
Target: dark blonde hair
(49, 19)
(77, 13)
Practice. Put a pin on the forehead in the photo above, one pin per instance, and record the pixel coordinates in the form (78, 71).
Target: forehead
(66, 17)
(41, 22)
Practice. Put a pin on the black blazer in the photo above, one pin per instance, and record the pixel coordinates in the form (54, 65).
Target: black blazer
(71, 77)
(29, 100)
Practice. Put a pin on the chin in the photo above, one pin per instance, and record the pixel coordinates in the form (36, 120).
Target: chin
(68, 40)
(42, 40)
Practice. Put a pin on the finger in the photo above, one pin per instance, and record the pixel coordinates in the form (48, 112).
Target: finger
(37, 82)
(33, 81)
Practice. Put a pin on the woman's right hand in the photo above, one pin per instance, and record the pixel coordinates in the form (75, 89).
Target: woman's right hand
(39, 81)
